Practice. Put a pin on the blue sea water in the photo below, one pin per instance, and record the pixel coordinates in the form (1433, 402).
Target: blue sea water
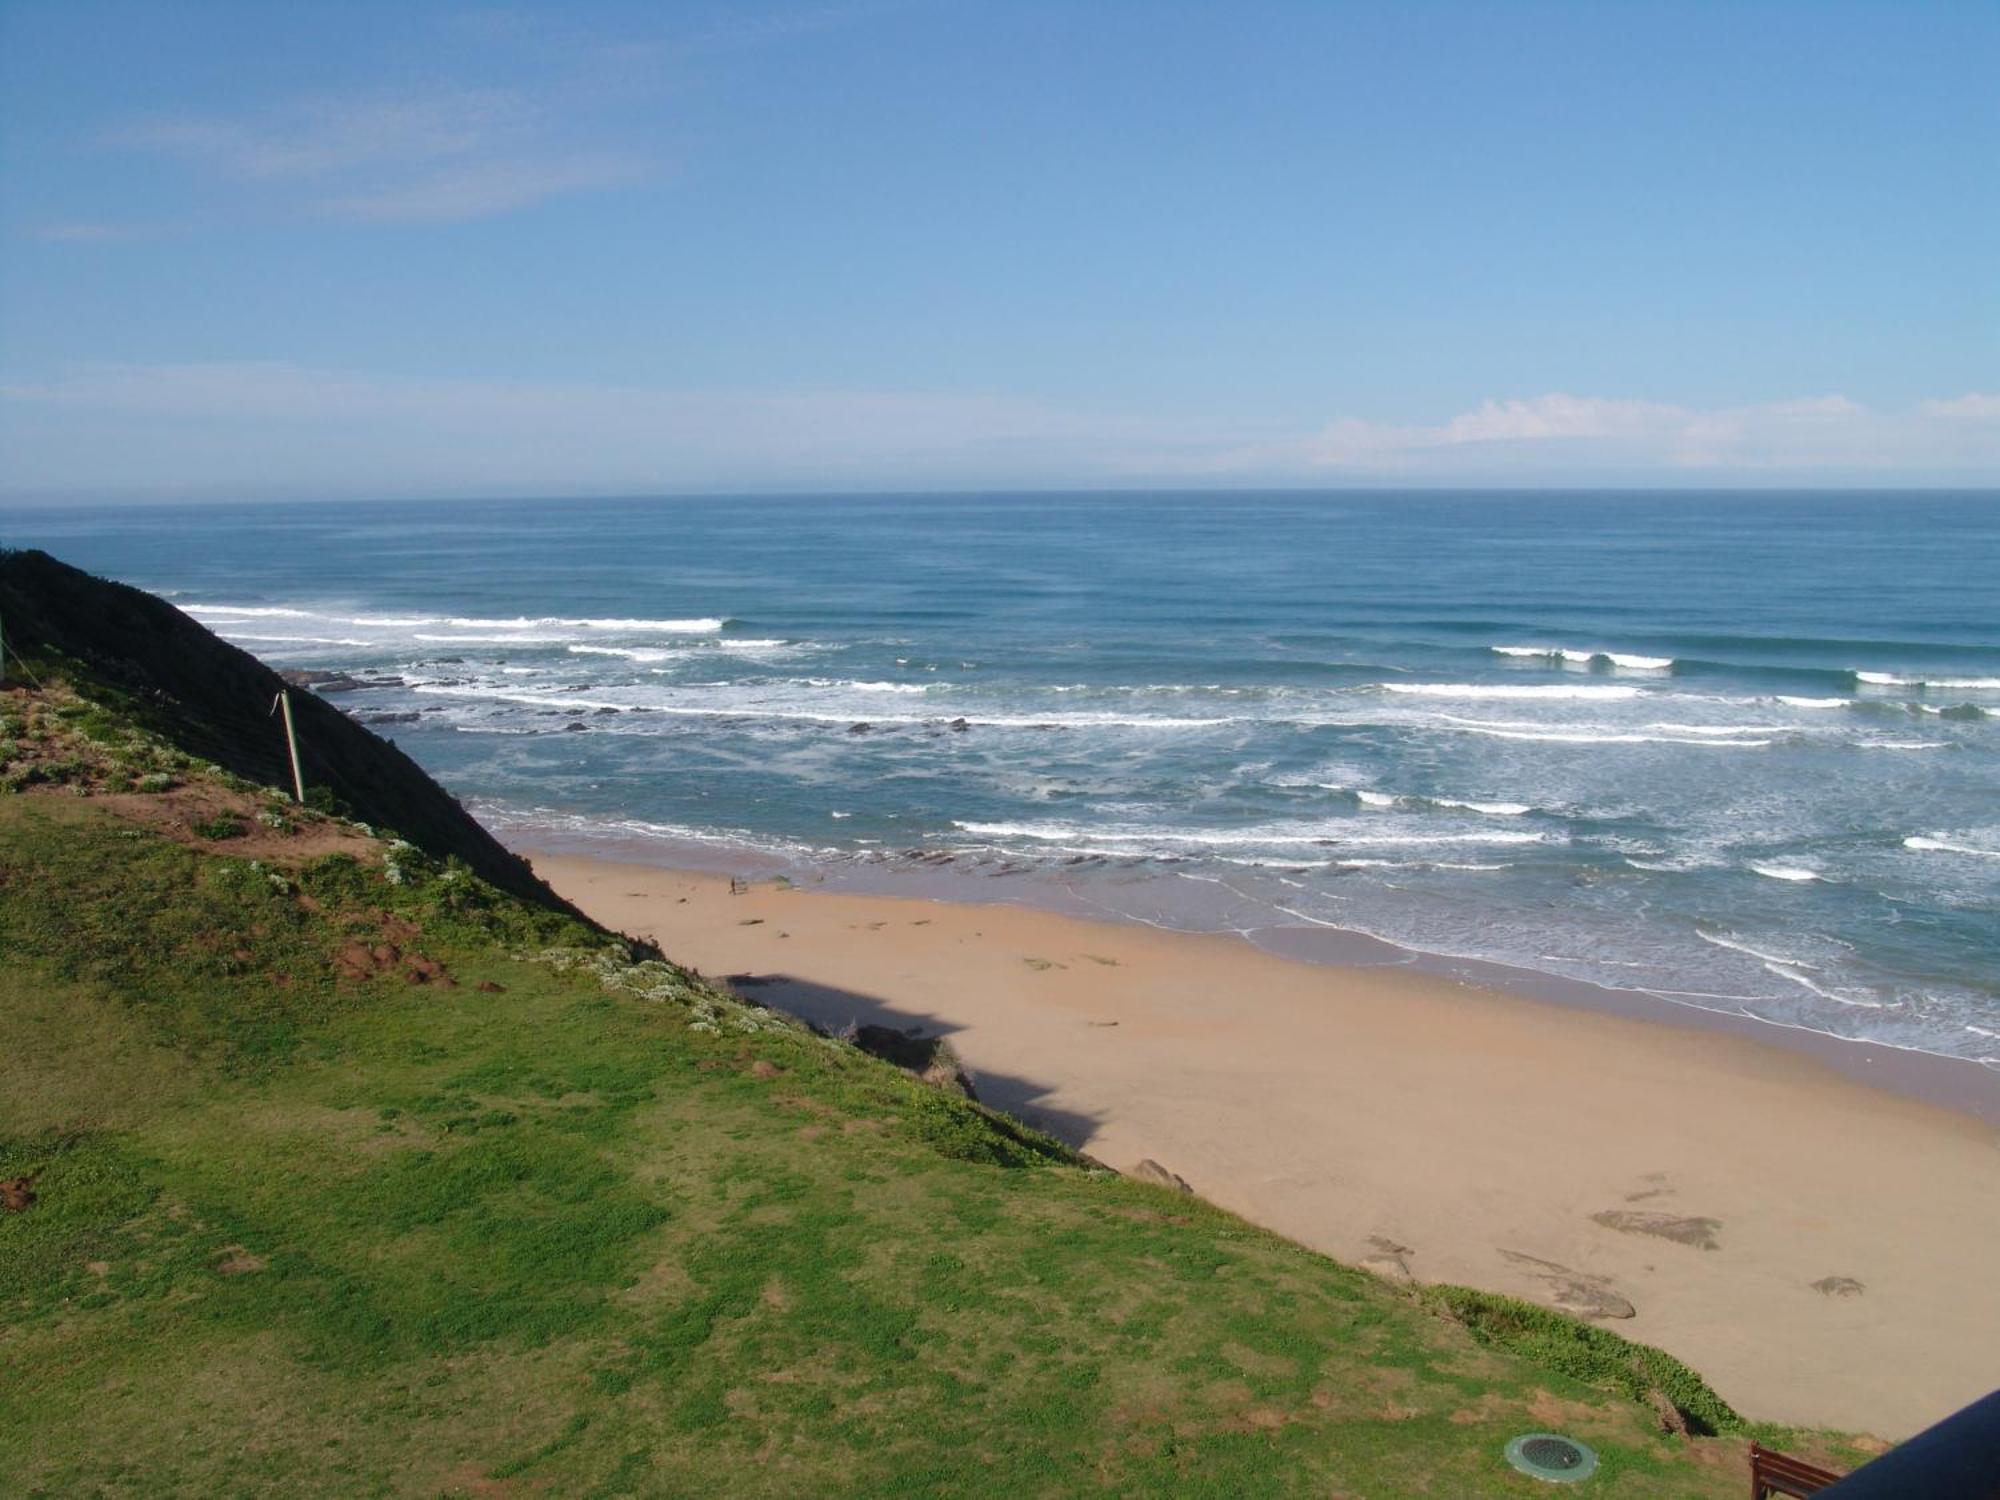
(1738, 751)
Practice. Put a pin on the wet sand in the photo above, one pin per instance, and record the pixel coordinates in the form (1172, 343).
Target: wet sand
(1820, 1249)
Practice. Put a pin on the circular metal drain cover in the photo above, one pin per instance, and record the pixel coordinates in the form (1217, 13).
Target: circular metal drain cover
(1547, 1456)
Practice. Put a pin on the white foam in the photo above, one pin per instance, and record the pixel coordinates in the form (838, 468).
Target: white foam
(1942, 845)
(1622, 659)
(879, 687)
(791, 713)
(1786, 971)
(629, 653)
(1555, 737)
(1787, 872)
(1717, 729)
(703, 626)
(524, 622)
(1333, 836)
(246, 611)
(1792, 702)
(1493, 809)
(488, 640)
(303, 640)
(1890, 679)
(1602, 693)
(1745, 948)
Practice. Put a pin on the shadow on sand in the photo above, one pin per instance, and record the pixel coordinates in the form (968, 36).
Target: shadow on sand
(831, 1008)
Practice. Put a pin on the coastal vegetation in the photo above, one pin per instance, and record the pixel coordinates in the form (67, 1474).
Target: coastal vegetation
(332, 1166)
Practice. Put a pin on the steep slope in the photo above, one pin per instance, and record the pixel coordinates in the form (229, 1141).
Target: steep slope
(213, 700)
(328, 1167)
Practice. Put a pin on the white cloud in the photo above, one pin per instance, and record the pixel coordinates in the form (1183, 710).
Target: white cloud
(225, 425)
(445, 154)
(218, 426)
(1973, 406)
(1558, 416)
(323, 136)
(482, 189)
(1560, 434)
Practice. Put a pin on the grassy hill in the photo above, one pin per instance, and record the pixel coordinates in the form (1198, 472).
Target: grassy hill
(327, 1166)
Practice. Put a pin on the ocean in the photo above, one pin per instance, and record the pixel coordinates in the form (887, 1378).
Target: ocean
(1737, 751)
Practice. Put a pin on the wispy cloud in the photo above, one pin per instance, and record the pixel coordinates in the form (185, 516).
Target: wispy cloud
(1557, 434)
(86, 232)
(229, 423)
(324, 136)
(453, 151)
(482, 189)
(223, 424)
(445, 154)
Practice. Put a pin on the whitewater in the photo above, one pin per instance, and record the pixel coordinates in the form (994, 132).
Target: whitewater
(1740, 752)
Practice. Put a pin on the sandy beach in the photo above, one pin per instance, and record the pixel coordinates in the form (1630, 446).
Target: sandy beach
(1820, 1249)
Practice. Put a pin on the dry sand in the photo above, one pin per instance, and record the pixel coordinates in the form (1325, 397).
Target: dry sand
(1823, 1251)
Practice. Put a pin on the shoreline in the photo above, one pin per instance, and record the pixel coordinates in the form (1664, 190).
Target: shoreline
(1955, 1083)
(1430, 1126)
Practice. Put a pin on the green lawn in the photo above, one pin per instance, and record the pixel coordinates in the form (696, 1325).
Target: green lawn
(604, 1231)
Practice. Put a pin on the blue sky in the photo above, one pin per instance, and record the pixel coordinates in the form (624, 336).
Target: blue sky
(410, 249)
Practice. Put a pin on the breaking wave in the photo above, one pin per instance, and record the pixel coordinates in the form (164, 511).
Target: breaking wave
(1620, 659)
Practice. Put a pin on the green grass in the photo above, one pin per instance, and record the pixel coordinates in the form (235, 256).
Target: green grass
(603, 1230)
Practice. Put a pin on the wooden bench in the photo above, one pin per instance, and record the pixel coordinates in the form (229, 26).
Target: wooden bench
(1781, 1474)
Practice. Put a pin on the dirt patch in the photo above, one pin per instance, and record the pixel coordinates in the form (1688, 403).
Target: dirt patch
(1259, 1419)
(17, 1194)
(1253, 1362)
(473, 1481)
(234, 1260)
(361, 959)
(806, 1103)
(1556, 1414)
(766, 1070)
(183, 814)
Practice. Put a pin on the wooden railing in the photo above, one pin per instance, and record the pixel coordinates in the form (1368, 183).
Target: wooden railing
(1781, 1474)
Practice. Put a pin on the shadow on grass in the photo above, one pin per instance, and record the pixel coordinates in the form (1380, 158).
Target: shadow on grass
(831, 1008)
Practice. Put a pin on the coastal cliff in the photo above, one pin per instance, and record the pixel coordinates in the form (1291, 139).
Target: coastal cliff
(214, 700)
(330, 1163)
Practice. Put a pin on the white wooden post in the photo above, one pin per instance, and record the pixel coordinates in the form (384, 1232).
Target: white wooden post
(292, 744)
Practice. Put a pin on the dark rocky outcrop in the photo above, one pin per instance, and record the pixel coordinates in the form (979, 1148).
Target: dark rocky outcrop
(213, 700)
(931, 1058)
(1151, 1171)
